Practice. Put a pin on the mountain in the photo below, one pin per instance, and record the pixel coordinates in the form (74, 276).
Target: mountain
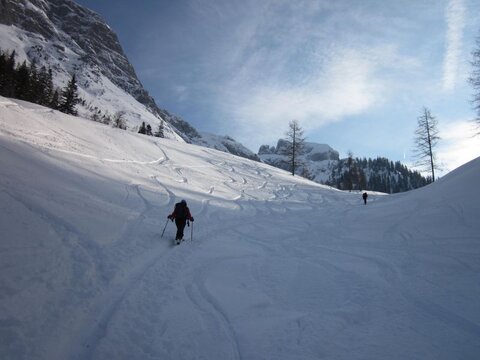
(78, 37)
(223, 143)
(274, 266)
(316, 160)
(322, 164)
(226, 144)
(71, 39)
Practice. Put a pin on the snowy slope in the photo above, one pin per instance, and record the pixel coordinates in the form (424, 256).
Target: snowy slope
(279, 267)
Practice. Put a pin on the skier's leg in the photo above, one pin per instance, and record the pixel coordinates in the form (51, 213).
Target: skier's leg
(179, 231)
(180, 226)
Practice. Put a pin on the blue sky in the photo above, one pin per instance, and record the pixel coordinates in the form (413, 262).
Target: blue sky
(355, 74)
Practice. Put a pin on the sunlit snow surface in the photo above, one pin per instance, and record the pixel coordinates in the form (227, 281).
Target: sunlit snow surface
(279, 267)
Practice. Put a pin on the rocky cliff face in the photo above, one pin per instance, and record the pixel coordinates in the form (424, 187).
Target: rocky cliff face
(311, 151)
(74, 28)
(317, 159)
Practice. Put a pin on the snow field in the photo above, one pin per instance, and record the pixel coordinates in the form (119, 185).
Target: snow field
(279, 267)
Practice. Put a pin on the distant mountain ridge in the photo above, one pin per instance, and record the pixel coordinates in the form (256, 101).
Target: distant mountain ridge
(317, 159)
(69, 38)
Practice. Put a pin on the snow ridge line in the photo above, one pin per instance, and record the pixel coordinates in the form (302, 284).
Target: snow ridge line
(47, 148)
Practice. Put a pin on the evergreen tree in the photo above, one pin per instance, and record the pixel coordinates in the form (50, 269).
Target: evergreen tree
(3, 72)
(119, 121)
(54, 102)
(107, 119)
(45, 82)
(7, 74)
(160, 130)
(149, 130)
(36, 91)
(69, 98)
(306, 174)
(349, 175)
(362, 180)
(143, 129)
(27, 82)
(22, 82)
(95, 117)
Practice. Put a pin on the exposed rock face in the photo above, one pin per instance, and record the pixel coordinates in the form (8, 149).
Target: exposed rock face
(317, 159)
(226, 144)
(320, 152)
(312, 151)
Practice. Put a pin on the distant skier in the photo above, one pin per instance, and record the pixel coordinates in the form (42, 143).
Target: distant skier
(181, 213)
(365, 196)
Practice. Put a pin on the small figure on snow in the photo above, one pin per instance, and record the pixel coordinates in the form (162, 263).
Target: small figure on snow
(181, 213)
(365, 196)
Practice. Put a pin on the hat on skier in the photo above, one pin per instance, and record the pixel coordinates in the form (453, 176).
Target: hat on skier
(183, 202)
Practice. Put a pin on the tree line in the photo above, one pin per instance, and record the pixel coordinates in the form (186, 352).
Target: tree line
(147, 130)
(30, 83)
(378, 174)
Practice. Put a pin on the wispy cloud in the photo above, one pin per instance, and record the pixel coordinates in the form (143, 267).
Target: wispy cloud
(252, 66)
(458, 145)
(455, 17)
(292, 63)
(340, 81)
(345, 85)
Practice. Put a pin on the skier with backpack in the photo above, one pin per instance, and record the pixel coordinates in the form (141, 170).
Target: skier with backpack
(181, 213)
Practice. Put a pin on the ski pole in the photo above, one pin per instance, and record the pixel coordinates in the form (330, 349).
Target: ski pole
(164, 227)
(191, 233)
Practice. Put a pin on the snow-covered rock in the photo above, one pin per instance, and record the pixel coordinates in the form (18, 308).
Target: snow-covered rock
(226, 144)
(316, 160)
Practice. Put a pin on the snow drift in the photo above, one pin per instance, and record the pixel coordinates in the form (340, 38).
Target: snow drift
(279, 267)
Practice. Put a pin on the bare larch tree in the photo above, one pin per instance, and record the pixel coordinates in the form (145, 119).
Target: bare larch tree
(295, 144)
(426, 139)
(475, 82)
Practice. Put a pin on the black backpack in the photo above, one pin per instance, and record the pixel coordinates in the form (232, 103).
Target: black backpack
(181, 211)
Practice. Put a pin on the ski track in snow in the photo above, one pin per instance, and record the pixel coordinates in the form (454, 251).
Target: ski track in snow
(96, 324)
(206, 303)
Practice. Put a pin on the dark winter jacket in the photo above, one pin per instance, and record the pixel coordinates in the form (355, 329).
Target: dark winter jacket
(181, 212)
